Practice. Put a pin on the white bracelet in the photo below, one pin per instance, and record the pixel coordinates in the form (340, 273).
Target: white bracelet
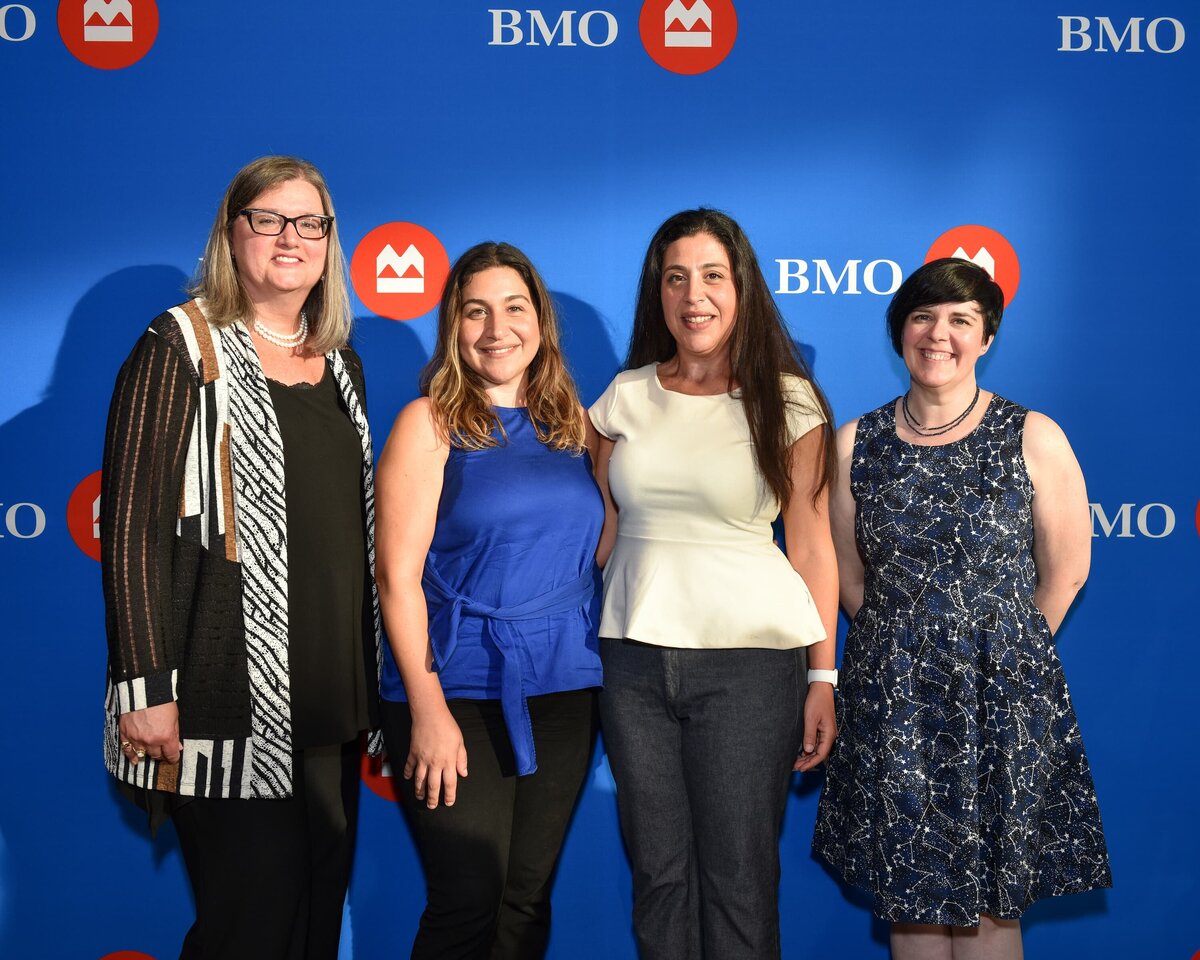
(824, 676)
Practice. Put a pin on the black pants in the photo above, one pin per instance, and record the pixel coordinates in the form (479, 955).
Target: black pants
(270, 876)
(489, 860)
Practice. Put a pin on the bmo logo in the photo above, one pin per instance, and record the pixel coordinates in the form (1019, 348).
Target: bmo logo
(688, 36)
(17, 22)
(399, 273)
(593, 28)
(1128, 520)
(83, 515)
(683, 36)
(108, 34)
(984, 247)
(848, 277)
(981, 245)
(1101, 35)
(22, 521)
(398, 270)
(377, 774)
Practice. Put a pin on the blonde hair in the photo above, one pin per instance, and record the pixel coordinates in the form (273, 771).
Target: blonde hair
(461, 407)
(217, 282)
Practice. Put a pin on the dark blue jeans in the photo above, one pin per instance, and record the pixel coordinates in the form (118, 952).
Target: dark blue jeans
(701, 744)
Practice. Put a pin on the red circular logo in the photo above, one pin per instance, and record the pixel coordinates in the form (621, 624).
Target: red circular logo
(398, 270)
(83, 515)
(108, 34)
(985, 247)
(377, 775)
(688, 36)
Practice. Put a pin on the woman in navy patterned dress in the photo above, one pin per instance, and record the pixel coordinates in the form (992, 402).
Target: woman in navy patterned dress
(958, 792)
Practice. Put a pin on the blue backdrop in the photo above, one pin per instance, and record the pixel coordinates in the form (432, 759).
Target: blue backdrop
(846, 137)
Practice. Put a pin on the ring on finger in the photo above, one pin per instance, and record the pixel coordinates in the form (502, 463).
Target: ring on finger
(140, 753)
(125, 744)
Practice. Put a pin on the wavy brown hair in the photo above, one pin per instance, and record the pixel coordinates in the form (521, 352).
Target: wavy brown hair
(461, 407)
(760, 349)
(225, 301)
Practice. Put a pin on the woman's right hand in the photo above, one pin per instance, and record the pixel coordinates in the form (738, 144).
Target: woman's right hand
(408, 488)
(437, 757)
(151, 732)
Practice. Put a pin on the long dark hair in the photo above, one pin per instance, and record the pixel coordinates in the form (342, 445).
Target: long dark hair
(760, 349)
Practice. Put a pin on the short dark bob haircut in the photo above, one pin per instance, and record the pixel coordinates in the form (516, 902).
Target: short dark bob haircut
(949, 280)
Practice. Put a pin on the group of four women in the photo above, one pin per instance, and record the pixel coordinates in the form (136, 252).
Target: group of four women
(242, 553)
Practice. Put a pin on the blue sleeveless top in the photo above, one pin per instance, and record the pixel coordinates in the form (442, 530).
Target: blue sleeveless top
(510, 580)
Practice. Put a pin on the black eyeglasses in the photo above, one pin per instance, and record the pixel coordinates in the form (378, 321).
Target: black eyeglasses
(268, 223)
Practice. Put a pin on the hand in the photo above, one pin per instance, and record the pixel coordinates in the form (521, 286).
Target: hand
(152, 732)
(437, 757)
(820, 726)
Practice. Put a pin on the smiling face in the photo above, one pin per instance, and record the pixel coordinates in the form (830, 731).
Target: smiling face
(941, 342)
(498, 333)
(286, 265)
(699, 298)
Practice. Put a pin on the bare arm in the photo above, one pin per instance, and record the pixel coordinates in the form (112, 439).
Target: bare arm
(601, 448)
(842, 511)
(1062, 530)
(811, 552)
(407, 490)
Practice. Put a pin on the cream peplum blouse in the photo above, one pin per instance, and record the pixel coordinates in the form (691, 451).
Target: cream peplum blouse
(694, 563)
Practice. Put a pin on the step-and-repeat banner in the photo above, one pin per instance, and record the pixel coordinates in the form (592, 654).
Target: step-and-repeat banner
(1057, 143)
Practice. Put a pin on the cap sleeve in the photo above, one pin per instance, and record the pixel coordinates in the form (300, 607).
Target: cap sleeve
(601, 412)
(803, 410)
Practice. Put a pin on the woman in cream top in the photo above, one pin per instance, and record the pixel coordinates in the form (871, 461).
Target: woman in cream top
(714, 429)
(695, 564)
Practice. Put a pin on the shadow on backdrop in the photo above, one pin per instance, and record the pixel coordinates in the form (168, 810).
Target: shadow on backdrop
(98, 336)
(56, 608)
(393, 357)
(589, 352)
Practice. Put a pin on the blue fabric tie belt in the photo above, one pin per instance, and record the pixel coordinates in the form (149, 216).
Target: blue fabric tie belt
(447, 608)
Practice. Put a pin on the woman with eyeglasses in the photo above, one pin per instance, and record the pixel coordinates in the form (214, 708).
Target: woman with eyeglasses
(236, 529)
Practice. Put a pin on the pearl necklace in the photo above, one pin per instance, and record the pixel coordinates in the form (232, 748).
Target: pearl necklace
(288, 341)
(921, 431)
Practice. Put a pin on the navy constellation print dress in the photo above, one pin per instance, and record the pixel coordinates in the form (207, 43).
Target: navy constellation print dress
(958, 784)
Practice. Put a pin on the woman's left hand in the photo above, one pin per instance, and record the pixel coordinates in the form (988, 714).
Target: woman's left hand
(811, 551)
(820, 727)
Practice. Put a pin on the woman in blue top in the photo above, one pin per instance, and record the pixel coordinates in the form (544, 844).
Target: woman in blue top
(488, 521)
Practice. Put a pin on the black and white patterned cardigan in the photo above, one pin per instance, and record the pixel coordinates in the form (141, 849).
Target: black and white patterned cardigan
(194, 556)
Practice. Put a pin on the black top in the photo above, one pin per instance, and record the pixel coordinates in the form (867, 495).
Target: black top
(327, 563)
